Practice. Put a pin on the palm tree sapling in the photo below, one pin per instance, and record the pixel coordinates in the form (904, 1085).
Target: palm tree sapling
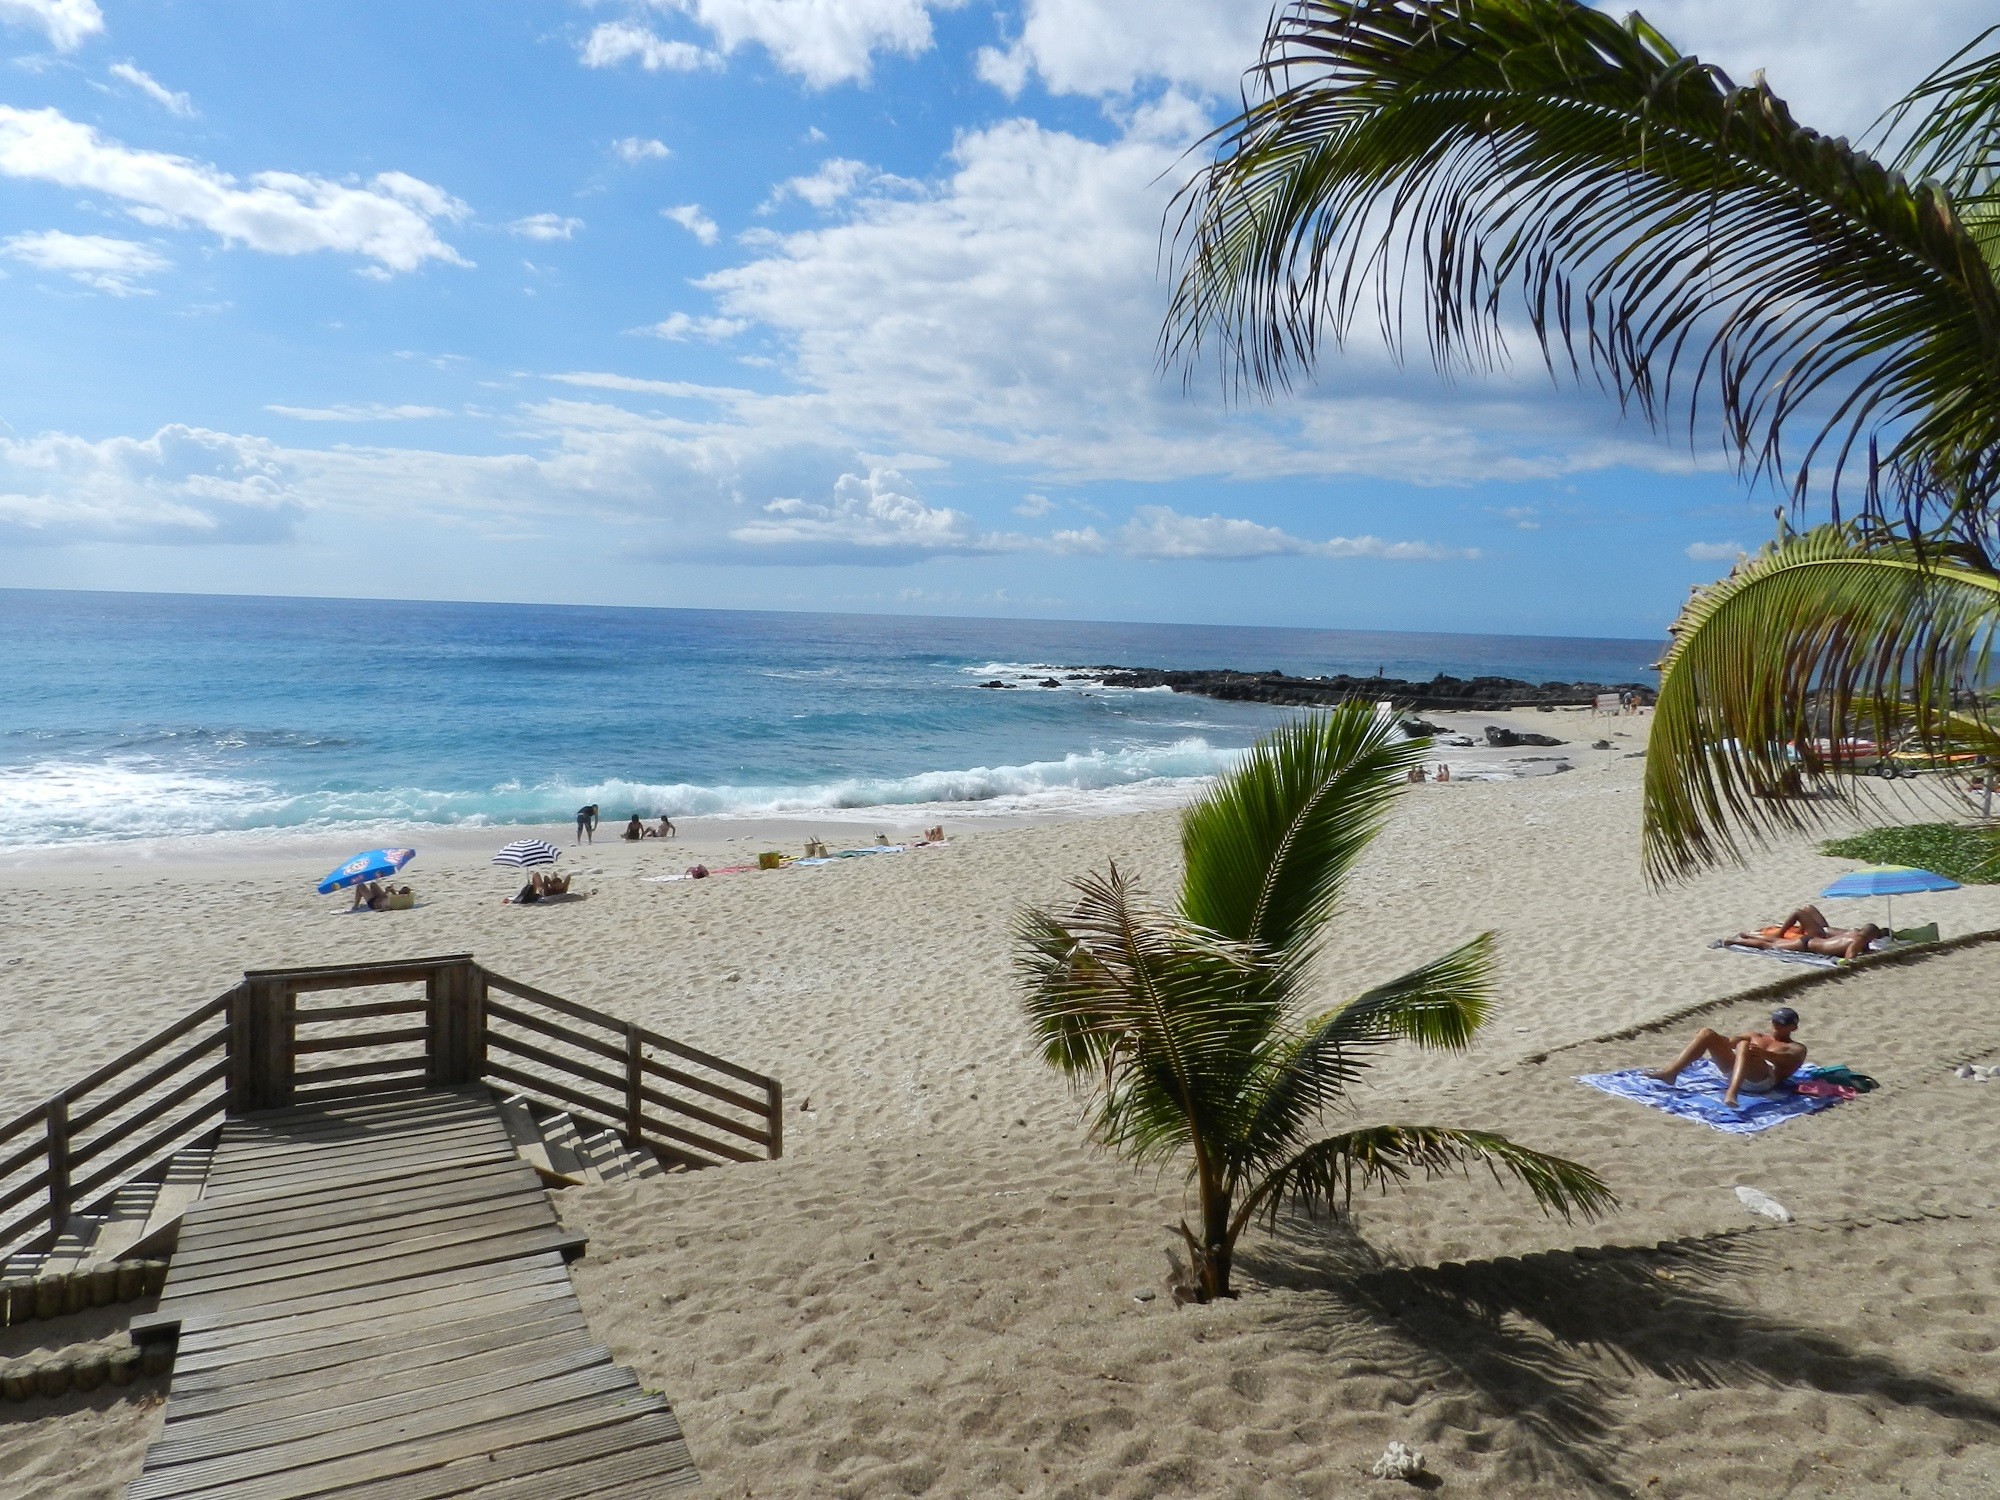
(1194, 1026)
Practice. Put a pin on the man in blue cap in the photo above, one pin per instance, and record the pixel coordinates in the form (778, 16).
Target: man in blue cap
(1756, 1062)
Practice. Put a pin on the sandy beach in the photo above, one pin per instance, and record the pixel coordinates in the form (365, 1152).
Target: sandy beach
(944, 1289)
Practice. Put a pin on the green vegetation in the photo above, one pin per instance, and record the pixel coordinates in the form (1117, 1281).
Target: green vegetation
(1192, 1029)
(1457, 169)
(1970, 856)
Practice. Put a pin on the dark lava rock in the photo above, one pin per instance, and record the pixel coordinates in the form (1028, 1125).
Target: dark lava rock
(1440, 694)
(1507, 739)
(996, 682)
(1600, 744)
(1048, 682)
(1418, 729)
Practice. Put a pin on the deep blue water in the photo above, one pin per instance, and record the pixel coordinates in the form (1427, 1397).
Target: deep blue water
(137, 715)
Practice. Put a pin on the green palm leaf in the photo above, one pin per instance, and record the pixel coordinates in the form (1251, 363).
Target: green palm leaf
(1267, 847)
(1326, 1173)
(1449, 164)
(1825, 637)
(1440, 1005)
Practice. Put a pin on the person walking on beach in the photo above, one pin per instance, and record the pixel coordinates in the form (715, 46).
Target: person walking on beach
(586, 823)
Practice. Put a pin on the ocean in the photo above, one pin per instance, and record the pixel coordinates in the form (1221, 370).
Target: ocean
(130, 716)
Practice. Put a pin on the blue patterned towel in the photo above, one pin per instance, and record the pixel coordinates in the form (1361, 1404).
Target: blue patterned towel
(1698, 1096)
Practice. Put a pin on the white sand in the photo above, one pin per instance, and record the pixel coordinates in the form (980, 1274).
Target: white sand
(934, 1292)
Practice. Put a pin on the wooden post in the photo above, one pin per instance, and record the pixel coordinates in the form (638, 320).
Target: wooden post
(634, 1055)
(776, 1094)
(58, 1128)
(260, 1052)
(457, 1043)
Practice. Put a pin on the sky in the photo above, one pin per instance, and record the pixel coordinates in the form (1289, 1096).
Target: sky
(844, 305)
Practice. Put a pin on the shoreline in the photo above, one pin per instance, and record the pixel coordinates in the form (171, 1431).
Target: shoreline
(335, 843)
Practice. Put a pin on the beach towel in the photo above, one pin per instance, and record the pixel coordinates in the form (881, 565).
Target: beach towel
(1810, 960)
(1698, 1096)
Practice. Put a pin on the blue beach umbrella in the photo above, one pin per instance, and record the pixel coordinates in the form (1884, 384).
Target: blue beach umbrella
(1888, 881)
(370, 866)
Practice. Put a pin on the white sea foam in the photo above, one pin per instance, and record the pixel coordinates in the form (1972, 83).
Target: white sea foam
(135, 798)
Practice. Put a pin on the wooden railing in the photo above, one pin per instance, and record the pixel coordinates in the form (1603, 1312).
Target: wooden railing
(73, 1152)
(275, 1040)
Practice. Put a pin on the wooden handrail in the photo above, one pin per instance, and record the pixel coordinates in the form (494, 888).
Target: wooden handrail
(612, 1023)
(148, 1047)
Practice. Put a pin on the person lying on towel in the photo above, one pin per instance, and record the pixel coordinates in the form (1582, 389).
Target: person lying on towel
(1757, 1062)
(1805, 931)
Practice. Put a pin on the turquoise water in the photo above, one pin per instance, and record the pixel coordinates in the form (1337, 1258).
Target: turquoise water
(129, 716)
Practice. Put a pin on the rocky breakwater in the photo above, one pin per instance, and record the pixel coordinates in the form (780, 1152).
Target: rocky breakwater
(1441, 694)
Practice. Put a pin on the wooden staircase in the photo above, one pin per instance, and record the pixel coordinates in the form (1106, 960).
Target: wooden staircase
(105, 1169)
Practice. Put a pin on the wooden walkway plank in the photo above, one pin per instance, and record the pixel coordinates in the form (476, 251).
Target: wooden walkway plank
(372, 1303)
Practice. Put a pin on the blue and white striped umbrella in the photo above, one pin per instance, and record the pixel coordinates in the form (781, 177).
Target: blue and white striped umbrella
(525, 852)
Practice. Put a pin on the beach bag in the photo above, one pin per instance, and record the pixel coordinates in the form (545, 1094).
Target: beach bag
(1847, 1078)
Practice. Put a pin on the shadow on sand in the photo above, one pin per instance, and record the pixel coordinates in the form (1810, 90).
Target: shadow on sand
(1545, 1341)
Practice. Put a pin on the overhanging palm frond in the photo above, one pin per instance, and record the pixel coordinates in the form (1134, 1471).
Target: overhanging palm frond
(1825, 638)
(1453, 163)
(1267, 847)
(1327, 1172)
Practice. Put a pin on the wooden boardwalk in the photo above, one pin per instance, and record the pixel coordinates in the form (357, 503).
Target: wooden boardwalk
(373, 1301)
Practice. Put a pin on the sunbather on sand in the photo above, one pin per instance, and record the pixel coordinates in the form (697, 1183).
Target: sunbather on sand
(372, 895)
(1756, 1061)
(1805, 931)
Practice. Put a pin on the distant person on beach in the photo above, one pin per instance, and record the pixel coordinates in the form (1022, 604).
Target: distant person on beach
(634, 830)
(1806, 931)
(586, 823)
(1756, 1062)
(528, 894)
(666, 828)
(1444, 772)
(372, 895)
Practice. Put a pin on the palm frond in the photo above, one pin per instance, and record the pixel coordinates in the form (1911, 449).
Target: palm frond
(1956, 117)
(1828, 637)
(1454, 163)
(1183, 1013)
(1442, 1005)
(1267, 847)
(1325, 1174)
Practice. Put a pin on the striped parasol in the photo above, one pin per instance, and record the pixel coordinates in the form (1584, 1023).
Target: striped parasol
(525, 852)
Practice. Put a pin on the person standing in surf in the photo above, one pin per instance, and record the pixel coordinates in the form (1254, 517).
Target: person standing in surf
(586, 823)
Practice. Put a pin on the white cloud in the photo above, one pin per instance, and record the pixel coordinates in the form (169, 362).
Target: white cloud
(545, 227)
(1522, 517)
(690, 217)
(66, 23)
(679, 328)
(1008, 314)
(615, 42)
(878, 511)
(1714, 551)
(282, 213)
(96, 260)
(1157, 531)
(182, 484)
(152, 88)
(372, 411)
(634, 149)
(1034, 506)
(1091, 46)
(835, 179)
(823, 41)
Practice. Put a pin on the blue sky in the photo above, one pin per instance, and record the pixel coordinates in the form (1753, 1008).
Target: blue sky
(792, 304)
